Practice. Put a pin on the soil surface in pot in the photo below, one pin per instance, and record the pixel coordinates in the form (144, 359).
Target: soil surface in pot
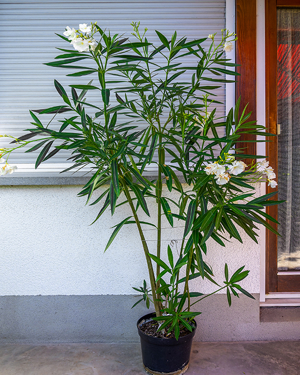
(150, 327)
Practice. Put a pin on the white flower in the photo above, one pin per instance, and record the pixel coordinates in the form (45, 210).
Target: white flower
(214, 168)
(228, 46)
(270, 173)
(70, 33)
(7, 169)
(211, 36)
(1, 160)
(262, 166)
(220, 169)
(83, 27)
(210, 168)
(93, 44)
(237, 167)
(222, 178)
(81, 45)
(272, 183)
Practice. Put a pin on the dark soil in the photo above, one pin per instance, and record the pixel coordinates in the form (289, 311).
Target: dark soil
(150, 329)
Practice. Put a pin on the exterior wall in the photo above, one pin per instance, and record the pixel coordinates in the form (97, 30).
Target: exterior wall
(58, 285)
(49, 248)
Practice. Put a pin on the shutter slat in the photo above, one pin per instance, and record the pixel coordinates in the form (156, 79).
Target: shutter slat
(27, 34)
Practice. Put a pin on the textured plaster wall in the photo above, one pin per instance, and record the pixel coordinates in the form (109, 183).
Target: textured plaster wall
(49, 248)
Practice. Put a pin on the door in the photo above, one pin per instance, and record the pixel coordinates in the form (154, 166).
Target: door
(283, 119)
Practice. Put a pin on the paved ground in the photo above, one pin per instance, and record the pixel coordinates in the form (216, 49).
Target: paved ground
(250, 358)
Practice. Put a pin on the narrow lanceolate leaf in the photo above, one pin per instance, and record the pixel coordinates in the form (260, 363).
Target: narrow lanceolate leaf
(140, 197)
(139, 177)
(167, 210)
(170, 256)
(27, 136)
(36, 147)
(37, 122)
(226, 272)
(59, 88)
(65, 61)
(152, 147)
(228, 297)
(159, 262)
(56, 109)
(113, 198)
(115, 176)
(82, 73)
(105, 95)
(190, 217)
(163, 39)
(83, 119)
(62, 92)
(43, 154)
(116, 231)
(104, 207)
(85, 87)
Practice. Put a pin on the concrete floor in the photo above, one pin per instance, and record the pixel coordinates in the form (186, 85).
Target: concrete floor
(235, 358)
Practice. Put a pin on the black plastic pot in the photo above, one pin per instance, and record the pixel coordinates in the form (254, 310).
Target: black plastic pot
(162, 356)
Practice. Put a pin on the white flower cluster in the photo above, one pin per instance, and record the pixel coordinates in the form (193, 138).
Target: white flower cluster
(222, 172)
(228, 46)
(80, 39)
(263, 166)
(6, 168)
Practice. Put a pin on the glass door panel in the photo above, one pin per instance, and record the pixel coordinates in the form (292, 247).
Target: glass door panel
(288, 112)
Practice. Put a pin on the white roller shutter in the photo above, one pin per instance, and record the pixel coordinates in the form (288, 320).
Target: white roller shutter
(27, 39)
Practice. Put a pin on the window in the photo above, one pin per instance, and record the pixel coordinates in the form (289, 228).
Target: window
(28, 40)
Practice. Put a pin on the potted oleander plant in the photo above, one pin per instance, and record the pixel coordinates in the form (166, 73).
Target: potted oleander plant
(158, 111)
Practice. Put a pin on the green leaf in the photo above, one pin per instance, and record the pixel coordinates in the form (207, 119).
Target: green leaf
(37, 122)
(43, 154)
(82, 73)
(116, 231)
(163, 39)
(263, 197)
(190, 217)
(159, 262)
(138, 176)
(84, 87)
(36, 147)
(115, 176)
(113, 198)
(228, 296)
(226, 272)
(56, 109)
(243, 291)
(167, 210)
(105, 95)
(140, 198)
(104, 207)
(59, 88)
(170, 256)
(65, 62)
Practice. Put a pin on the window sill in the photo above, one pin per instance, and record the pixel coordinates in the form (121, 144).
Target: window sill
(280, 307)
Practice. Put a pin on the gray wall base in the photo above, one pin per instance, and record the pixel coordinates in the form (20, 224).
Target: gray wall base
(50, 319)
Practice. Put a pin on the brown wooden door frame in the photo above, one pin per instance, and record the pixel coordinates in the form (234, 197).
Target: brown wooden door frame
(274, 282)
(246, 58)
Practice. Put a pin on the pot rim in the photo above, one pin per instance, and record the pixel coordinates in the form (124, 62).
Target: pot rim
(163, 340)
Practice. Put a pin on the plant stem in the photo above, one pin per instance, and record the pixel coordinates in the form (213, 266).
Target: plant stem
(159, 194)
(146, 251)
(186, 286)
(207, 295)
